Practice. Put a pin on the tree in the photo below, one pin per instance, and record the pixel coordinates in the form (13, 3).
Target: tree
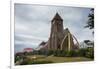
(90, 23)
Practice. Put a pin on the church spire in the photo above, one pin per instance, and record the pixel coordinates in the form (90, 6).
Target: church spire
(57, 17)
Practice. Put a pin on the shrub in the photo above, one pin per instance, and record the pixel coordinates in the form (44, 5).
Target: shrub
(90, 53)
(72, 53)
(60, 53)
(17, 58)
(87, 52)
(82, 52)
(49, 52)
(26, 61)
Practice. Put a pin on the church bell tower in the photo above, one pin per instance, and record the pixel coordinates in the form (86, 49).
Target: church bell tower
(56, 32)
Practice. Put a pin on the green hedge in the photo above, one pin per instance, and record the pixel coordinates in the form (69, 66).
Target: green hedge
(87, 52)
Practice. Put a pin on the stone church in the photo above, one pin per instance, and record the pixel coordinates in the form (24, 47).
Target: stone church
(60, 38)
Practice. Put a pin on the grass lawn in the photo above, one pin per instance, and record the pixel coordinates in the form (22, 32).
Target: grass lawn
(59, 59)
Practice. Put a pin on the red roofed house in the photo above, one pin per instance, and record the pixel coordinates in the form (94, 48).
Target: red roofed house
(28, 49)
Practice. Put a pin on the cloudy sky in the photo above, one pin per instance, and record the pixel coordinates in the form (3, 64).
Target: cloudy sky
(33, 23)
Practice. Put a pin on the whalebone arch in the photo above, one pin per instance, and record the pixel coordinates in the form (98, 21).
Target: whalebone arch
(67, 38)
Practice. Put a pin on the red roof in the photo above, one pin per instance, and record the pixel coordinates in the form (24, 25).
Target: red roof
(28, 49)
